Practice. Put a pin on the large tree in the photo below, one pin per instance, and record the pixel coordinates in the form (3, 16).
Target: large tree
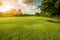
(52, 7)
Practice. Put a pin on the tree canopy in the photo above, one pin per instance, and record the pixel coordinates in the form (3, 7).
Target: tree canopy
(52, 7)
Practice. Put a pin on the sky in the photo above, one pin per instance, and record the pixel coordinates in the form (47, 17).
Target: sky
(26, 6)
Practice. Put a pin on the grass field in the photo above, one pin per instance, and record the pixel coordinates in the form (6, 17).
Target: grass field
(29, 28)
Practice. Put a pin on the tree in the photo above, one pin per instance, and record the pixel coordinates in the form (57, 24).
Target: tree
(37, 14)
(52, 7)
(19, 13)
(0, 14)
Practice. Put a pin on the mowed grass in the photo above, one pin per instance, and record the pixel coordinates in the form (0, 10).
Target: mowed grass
(29, 28)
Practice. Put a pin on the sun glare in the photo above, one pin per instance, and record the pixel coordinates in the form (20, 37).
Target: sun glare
(4, 6)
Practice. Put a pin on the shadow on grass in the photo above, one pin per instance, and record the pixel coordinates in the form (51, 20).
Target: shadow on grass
(53, 21)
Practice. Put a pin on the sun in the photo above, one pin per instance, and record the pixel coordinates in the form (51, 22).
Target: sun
(5, 6)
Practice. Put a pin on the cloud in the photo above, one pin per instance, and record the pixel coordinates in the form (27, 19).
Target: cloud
(29, 9)
(25, 5)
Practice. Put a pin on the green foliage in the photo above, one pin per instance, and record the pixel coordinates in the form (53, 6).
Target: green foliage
(21, 14)
(46, 14)
(37, 14)
(51, 6)
(57, 4)
(26, 14)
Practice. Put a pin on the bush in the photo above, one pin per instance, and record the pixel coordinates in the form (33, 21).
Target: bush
(37, 14)
(46, 14)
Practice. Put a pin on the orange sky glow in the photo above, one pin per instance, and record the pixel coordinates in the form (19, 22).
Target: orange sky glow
(7, 9)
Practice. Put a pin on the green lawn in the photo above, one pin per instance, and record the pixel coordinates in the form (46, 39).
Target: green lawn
(29, 28)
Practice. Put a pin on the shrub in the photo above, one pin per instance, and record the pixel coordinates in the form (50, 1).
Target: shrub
(37, 14)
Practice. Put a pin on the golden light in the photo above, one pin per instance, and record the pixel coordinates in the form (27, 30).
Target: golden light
(4, 6)
(6, 9)
(1, 3)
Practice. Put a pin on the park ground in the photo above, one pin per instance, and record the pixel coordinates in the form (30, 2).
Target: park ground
(29, 28)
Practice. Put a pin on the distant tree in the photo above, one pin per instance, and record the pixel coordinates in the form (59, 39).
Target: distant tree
(19, 13)
(25, 14)
(37, 14)
(0, 14)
